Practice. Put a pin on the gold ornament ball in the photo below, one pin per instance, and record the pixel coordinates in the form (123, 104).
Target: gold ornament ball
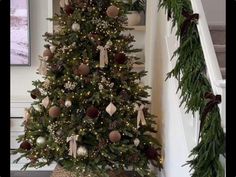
(54, 111)
(112, 11)
(83, 70)
(47, 53)
(115, 136)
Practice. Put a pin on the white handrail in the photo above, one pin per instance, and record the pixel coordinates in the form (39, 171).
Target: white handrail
(208, 49)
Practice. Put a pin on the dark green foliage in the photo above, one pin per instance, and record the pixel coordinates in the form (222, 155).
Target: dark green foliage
(190, 71)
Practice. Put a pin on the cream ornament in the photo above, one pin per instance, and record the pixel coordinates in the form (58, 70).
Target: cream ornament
(26, 115)
(73, 145)
(75, 26)
(45, 102)
(136, 142)
(111, 109)
(82, 151)
(64, 3)
(37, 108)
(52, 48)
(140, 117)
(68, 103)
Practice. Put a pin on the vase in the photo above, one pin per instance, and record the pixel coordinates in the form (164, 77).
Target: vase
(134, 18)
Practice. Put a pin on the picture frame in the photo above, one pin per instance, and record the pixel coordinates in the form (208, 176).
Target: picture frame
(20, 33)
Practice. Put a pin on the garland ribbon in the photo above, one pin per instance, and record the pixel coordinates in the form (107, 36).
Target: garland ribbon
(189, 18)
(103, 55)
(140, 117)
(213, 101)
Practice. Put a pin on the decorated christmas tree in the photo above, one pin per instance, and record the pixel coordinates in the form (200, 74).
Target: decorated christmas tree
(90, 113)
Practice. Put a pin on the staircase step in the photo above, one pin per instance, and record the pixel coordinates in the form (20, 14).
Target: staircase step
(217, 34)
(220, 53)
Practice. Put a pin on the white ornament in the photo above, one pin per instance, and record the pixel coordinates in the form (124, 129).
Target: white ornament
(111, 85)
(41, 140)
(82, 151)
(75, 27)
(45, 102)
(52, 48)
(109, 43)
(111, 109)
(136, 142)
(37, 108)
(68, 103)
(69, 85)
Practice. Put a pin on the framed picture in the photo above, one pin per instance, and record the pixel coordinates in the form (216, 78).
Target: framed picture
(20, 45)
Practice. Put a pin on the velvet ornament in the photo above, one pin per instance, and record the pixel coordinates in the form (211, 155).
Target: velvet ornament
(54, 111)
(35, 93)
(112, 11)
(151, 153)
(120, 58)
(83, 69)
(92, 112)
(47, 54)
(25, 145)
(114, 136)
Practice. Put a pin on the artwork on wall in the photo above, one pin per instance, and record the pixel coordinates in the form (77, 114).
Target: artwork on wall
(20, 46)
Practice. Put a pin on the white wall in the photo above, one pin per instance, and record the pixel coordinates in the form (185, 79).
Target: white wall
(215, 11)
(164, 99)
(22, 76)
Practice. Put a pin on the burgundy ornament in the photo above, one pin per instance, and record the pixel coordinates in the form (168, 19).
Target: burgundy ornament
(151, 153)
(92, 112)
(124, 95)
(120, 58)
(69, 9)
(25, 145)
(35, 93)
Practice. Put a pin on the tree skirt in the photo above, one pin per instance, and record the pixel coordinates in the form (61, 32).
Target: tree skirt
(61, 172)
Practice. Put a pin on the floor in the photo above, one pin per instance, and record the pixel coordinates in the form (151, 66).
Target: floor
(30, 174)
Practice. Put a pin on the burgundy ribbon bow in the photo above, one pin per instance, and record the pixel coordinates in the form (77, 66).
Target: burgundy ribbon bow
(189, 19)
(213, 101)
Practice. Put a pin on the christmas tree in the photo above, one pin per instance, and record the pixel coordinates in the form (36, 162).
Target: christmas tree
(90, 113)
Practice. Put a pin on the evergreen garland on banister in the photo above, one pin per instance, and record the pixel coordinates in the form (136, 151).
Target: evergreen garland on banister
(196, 92)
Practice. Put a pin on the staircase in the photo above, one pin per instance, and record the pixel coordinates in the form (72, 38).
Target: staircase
(218, 39)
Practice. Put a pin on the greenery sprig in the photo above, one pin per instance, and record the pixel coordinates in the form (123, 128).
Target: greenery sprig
(190, 71)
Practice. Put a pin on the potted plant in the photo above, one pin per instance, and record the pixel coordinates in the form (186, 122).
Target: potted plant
(134, 11)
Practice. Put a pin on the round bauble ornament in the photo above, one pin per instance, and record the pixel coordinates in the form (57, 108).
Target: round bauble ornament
(68, 103)
(68, 9)
(82, 151)
(47, 54)
(120, 58)
(35, 93)
(83, 69)
(114, 136)
(41, 140)
(75, 27)
(151, 153)
(25, 145)
(112, 11)
(92, 112)
(54, 111)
